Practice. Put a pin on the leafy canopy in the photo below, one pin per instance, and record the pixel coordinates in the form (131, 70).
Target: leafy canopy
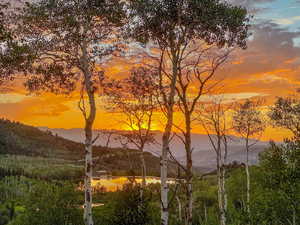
(286, 114)
(248, 119)
(14, 54)
(169, 22)
(68, 38)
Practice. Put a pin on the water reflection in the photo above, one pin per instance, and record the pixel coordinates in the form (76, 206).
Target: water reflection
(111, 183)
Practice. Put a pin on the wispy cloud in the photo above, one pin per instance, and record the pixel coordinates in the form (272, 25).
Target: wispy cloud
(287, 21)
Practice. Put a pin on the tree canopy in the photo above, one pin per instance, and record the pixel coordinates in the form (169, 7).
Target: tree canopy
(61, 33)
(171, 22)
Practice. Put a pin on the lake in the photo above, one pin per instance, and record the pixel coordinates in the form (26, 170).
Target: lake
(112, 183)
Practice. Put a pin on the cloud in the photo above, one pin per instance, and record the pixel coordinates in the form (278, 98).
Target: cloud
(287, 21)
(270, 65)
(253, 6)
(231, 97)
(11, 98)
(20, 107)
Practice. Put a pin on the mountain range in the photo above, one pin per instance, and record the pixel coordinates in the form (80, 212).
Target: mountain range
(203, 153)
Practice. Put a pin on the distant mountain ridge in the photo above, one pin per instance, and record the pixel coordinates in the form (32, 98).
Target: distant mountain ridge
(203, 154)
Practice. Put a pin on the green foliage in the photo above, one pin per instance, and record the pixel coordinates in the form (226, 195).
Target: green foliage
(68, 38)
(39, 168)
(281, 168)
(285, 114)
(14, 53)
(275, 193)
(127, 207)
(48, 204)
(13, 192)
(29, 201)
(205, 201)
(248, 120)
(168, 22)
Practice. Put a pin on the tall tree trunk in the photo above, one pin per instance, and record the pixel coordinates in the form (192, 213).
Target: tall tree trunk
(179, 209)
(189, 171)
(164, 177)
(143, 172)
(165, 144)
(247, 178)
(222, 214)
(189, 202)
(205, 213)
(88, 218)
(89, 120)
(224, 194)
(294, 215)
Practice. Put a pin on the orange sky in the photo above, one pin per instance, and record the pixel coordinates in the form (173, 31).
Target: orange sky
(270, 67)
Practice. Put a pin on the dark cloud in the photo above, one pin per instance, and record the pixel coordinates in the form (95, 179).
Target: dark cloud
(270, 64)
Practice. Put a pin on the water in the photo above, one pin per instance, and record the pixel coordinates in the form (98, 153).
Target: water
(111, 183)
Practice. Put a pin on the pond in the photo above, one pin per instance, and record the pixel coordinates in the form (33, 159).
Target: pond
(112, 183)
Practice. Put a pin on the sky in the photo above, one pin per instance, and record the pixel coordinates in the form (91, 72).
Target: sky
(269, 67)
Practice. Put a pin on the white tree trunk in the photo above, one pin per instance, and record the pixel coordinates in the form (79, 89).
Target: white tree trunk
(89, 120)
(143, 170)
(189, 170)
(222, 214)
(164, 184)
(205, 213)
(294, 215)
(221, 191)
(143, 173)
(224, 196)
(189, 218)
(179, 208)
(248, 181)
(165, 144)
(87, 184)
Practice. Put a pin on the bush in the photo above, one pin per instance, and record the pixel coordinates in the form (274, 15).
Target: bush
(49, 204)
(127, 208)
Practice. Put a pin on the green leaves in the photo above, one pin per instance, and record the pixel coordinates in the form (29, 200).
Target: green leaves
(285, 114)
(169, 22)
(13, 52)
(248, 120)
(68, 39)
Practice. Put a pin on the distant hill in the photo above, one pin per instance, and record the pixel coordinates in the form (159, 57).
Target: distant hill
(19, 139)
(203, 154)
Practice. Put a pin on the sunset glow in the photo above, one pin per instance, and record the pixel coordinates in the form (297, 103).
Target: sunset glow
(270, 67)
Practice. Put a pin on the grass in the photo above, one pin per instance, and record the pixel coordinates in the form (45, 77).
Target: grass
(42, 168)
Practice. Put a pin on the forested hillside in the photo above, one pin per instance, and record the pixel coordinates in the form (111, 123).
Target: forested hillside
(20, 139)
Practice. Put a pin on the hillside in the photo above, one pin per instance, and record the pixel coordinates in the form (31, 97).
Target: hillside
(203, 154)
(20, 139)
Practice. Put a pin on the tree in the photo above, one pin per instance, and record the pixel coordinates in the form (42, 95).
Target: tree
(286, 114)
(281, 166)
(173, 27)
(248, 122)
(196, 71)
(70, 40)
(48, 204)
(14, 54)
(214, 119)
(135, 97)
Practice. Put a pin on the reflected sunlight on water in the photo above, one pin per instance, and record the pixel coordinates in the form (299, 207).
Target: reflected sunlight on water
(117, 183)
